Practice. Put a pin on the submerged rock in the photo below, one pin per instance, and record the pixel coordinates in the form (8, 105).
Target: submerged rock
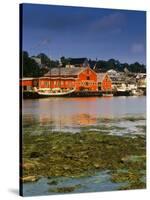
(53, 182)
(65, 189)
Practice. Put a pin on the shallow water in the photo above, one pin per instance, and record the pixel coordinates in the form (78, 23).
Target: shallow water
(41, 116)
(99, 182)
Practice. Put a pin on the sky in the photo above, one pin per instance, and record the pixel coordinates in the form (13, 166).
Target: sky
(84, 32)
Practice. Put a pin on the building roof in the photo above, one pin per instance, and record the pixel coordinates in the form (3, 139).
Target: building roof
(63, 71)
(77, 61)
(112, 72)
(27, 78)
(100, 76)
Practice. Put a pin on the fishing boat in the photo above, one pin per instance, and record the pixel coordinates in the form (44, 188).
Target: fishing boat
(123, 90)
(55, 92)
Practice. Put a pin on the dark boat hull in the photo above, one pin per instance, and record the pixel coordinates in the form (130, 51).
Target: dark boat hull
(122, 93)
(35, 95)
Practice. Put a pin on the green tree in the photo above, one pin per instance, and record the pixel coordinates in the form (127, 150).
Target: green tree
(46, 61)
(30, 67)
(64, 61)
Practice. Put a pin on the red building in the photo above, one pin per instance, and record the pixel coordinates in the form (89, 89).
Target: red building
(104, 82)
(80, 78)
(27, 83)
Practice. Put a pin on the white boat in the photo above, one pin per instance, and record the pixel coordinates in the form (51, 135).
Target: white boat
(122, 91)
(54, 93)
(137, 92)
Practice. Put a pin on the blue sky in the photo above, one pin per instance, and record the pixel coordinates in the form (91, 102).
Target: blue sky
(84, 32)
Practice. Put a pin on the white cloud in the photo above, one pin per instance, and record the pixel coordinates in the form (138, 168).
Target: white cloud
(108, 22)
(137, 48)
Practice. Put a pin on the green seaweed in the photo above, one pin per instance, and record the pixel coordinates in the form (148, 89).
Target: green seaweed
(82, 154)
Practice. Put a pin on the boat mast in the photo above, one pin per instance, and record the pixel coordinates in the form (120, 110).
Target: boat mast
(59, 73)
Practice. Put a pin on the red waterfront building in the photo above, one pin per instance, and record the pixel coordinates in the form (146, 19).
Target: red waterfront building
(104, 82)
(27, 83)
(80, 78)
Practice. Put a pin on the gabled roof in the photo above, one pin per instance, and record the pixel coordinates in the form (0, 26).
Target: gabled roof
(63, 71)
(100, 76)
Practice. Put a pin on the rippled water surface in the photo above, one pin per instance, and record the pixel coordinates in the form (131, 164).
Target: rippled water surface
(111, 114)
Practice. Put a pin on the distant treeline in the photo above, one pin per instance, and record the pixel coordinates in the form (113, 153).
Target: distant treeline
(32, 69)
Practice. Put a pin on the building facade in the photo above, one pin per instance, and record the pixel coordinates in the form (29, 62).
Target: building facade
(104, 82)
(26, 84)
(80, 78)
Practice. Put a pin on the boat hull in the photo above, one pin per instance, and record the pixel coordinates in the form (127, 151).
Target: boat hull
(122, 93)
(53, 95)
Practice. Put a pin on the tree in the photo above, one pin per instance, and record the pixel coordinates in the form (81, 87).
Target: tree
(46, 61)
(30, 67)
(64, 61)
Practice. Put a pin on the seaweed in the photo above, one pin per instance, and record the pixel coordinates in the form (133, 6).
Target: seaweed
(83, 154)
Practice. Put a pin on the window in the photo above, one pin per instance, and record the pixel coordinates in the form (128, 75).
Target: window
(46, 84)
(24, 87)
(29, 88)
(35, 83)
(87, 78)
(58, 83)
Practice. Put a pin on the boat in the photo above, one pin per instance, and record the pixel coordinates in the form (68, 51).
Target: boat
(137, 92)
(122, 91)
(54, 93)
(107, 95)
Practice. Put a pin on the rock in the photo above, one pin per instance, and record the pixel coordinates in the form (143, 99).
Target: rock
(66, 167)
(28, 166)
(96, 165)
(66, 189)
(86, 156)
(35, 154)
(53, 182)
(30, 179)
(68, 156)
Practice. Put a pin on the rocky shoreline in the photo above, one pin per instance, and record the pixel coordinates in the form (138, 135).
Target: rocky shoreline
(83, 154)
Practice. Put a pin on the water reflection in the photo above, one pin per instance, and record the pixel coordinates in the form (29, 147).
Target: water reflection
(70, 114)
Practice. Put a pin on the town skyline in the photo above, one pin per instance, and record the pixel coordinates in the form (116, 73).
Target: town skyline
(85, 32)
